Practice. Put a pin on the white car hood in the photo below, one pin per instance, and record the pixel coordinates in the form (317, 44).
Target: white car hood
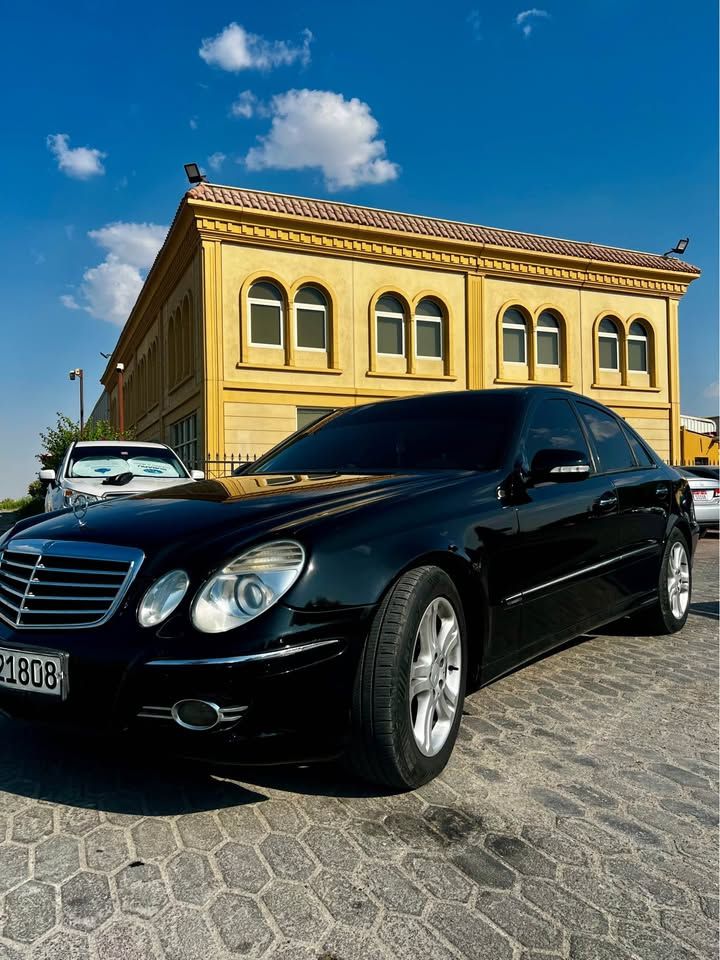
(96, 488)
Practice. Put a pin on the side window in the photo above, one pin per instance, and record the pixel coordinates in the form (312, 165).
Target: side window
(612, 447)
(554, 426)
(641, 454)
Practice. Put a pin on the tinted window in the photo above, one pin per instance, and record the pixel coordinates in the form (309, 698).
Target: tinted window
(554, 426)
(612, 447)
(641, 454)
(455, 431)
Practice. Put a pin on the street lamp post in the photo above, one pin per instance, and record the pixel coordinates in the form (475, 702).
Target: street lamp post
(77, 374)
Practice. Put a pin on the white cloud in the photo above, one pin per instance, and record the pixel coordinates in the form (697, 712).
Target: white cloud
(133, 243)
(235, 49)
(712, 390)
(109, 290)
(525, 19)
(216, 160)
(245, 105)
(318, 128)
(193, 122)
(78, 162)
(475, 21)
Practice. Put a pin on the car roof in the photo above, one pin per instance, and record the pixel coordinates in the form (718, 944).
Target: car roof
(119, 443)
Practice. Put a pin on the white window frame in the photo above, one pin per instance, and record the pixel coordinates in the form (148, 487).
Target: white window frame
(320, 309)
(278, 304)
(602, 334)
(515, 326)
(644, 339)
(429, 319)
(392, 316)
(555, 331)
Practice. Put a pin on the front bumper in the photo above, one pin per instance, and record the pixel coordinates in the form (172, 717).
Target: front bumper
(283, 683)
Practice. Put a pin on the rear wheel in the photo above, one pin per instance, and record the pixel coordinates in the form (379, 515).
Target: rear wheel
(410, 686)
(672, 607)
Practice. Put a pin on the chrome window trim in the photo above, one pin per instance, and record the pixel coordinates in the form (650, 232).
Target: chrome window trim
(86, 550)
(244, 658)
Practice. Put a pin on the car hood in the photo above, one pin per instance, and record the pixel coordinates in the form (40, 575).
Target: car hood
(96, 488)
(203, 515)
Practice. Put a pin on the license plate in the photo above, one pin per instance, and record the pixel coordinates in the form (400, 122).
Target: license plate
(38, 672)
(702, 494)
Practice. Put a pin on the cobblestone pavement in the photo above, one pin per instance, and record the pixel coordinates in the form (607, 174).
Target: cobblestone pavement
(577, 819)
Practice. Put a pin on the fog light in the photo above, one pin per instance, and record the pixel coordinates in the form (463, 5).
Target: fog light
(196, 714)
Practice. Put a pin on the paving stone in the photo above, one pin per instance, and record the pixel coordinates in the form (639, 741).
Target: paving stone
(649, 943)
(240, 924)
(287, 858)
(32, 824)
(590, 948)
(86, 901)
(708, 818)
(469, 932)
(297, 913)
(519, 920)
(483, 869)
(658, 890)
(412, 941)
(283, 816)
(29, 911)
(346, 943)
(556, 803)
(556, 845)
(605, 893)
(14, 866)
(141, 890)
(185, 934)
(242, 824)
(56, 859)
(439, 878)
(106, 849)
(679, 775)
(61, 945)
(241, 868)
(124, 940)
(567, 909)
(693, 928)
(589, 795)
(587, 833)
(413, 831)
(78, 821)
(639, 835)
(344, 900)
(331, 847)
(520, 856)
(394, 890)
(199, 831)
(191, 878)
(153, 839)
(453, 825)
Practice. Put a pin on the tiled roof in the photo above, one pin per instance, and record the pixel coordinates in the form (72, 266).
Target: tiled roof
(347, 213)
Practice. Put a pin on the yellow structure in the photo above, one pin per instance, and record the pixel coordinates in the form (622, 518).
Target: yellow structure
(263, 310)
(698, 441)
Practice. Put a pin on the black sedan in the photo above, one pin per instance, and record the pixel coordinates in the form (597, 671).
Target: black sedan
(341, 597)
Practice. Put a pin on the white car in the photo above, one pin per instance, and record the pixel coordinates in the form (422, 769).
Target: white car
(706, 495)
(104, 469)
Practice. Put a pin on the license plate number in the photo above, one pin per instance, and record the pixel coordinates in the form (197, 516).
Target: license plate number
(703, 494)
(22, 670)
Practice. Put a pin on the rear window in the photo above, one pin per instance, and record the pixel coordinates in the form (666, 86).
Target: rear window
(613, 449)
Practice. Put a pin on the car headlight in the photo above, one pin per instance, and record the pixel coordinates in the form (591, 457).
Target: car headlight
(248, 586)
(70, 496)
(162, 598)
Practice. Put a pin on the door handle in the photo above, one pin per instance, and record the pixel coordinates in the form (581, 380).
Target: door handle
(661, 491)
(605, 503)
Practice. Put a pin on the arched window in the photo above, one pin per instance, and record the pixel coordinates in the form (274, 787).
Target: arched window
(179, 360)
(266, 315)
(638, 348)
(311, 314)
(428, 330)
(547, 340)
(390, 326)
(608, 341)
(514, 336)
(187, 338)
(172, 373)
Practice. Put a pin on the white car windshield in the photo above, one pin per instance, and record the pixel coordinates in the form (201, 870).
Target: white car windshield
(100, 463)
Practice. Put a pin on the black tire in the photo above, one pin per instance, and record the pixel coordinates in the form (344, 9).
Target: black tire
(383, 747)
(660, 618)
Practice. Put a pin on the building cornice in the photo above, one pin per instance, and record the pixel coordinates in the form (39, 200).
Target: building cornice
(259, 228)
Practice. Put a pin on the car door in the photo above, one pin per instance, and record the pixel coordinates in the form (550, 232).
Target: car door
(565, 535)
(643, 495)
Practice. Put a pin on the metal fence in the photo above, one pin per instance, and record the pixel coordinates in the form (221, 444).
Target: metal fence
(224, 466)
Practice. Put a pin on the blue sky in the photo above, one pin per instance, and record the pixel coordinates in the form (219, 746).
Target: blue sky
(594, 120)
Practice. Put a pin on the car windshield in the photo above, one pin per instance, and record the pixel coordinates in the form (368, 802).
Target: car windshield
(99, 462)
(461, 431)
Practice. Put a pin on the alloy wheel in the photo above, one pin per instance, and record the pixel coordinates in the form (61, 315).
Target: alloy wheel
(678, 580)
(435, 676)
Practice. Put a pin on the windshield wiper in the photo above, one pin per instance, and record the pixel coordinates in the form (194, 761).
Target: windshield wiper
(119, 480)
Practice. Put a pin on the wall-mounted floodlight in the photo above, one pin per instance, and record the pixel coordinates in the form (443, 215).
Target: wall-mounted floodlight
(679, 248)
(192, 172)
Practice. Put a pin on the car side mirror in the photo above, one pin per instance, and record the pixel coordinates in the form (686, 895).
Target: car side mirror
(559, 466)
(197, 474)
(47, 476)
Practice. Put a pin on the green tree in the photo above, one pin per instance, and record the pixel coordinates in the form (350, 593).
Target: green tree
(57, 439)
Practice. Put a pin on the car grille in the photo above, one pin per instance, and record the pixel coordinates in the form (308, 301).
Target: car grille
(53, 583)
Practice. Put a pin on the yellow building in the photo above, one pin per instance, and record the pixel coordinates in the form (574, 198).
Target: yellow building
(698, 441)
(263, 310)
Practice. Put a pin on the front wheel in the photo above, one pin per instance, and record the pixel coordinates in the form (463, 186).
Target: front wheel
(410, 685)
(672, 607)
